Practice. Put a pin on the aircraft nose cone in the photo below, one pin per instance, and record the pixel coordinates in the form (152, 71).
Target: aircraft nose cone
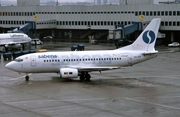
(10, 66)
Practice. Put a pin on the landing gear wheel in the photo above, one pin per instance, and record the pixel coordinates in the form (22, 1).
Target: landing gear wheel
(87, 76)
(82, 77)
(27, 78)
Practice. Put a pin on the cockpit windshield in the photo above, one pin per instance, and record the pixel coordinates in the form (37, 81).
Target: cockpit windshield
(18, 60)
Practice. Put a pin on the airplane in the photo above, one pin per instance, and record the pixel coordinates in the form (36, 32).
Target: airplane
(71, 64)
(13, 40)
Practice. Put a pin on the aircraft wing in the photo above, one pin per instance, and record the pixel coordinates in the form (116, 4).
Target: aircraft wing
(93, 68)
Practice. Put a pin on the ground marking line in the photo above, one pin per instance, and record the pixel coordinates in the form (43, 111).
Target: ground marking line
(151, 103)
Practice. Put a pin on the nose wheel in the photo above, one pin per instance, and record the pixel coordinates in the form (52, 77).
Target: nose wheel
(27, 78)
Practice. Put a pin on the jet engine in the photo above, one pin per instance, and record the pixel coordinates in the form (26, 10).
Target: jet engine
(68, 73)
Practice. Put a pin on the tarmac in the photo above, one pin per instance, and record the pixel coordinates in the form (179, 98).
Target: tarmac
(148, 89)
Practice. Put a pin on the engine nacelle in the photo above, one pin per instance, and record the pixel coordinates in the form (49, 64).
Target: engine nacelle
(68, 73)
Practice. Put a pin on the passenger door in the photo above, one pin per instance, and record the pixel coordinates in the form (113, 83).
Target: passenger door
(33, 61)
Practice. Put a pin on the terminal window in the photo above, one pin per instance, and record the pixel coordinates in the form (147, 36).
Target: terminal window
(151, 13)
(170, 13)
(166, 23)
(174, 12)
(178, 12)
(166, 13)
(162, 13)
(174, 23)
(170, 23)
(178, 23)
(136, 13)
(154, 13)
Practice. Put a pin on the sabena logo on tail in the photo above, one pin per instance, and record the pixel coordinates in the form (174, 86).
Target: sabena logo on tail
(148, 36)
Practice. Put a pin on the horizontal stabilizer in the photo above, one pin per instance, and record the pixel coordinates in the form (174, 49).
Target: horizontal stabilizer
(150, 53)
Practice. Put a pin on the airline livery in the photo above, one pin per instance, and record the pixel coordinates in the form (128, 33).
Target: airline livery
(13, 39)
(72, 64)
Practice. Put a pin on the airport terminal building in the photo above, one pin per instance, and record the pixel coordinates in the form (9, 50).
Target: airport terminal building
(85, 21)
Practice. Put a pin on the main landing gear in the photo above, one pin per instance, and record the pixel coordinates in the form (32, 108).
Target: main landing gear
(85, 75)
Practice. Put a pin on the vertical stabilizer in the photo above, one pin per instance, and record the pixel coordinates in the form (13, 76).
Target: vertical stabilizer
(147, 38)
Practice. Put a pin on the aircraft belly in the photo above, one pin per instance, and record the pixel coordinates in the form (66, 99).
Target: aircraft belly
(39, 68)
(45, 69)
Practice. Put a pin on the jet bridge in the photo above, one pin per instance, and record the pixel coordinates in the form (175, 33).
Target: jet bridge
(120, 31)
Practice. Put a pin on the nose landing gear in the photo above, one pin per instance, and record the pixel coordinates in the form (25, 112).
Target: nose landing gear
(27, 78)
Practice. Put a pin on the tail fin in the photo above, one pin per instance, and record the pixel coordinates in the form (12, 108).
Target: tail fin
(147, 38)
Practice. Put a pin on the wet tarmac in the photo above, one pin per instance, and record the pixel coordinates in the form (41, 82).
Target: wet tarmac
(149, 89)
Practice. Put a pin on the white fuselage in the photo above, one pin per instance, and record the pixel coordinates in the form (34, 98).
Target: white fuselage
(9, 38)
(52, 61)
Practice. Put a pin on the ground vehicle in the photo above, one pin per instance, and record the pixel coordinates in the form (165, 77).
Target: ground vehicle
(48, 37)
(94, 41)
(36, 41)
(174, 44)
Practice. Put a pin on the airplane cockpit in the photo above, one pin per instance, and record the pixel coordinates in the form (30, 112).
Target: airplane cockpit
(18, 60)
